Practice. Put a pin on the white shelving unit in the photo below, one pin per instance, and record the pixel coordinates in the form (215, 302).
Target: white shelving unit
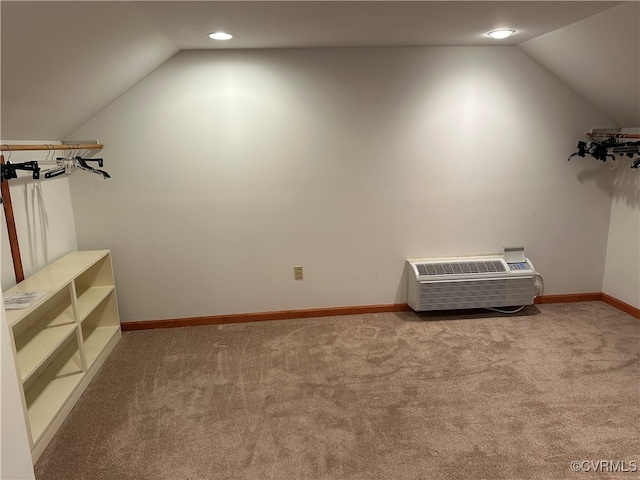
(61, 341)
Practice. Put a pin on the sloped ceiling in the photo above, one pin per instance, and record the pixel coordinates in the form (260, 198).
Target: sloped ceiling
(63, 62)
(361, 23)
(599, 57)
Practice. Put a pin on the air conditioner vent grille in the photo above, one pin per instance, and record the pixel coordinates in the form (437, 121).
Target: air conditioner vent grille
(452, 294)
(461, 268)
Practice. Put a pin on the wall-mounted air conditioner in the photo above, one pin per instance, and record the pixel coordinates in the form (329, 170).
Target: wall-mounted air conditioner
(491, 281)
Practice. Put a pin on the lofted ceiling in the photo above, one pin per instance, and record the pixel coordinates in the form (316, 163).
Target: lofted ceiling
(63, 62)
(361, 23)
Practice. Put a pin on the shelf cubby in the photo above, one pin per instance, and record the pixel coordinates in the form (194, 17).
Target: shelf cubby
(48, 393)
(99, 327)
(93, 285)
(42, 332)
(97, 275)
(89, 298)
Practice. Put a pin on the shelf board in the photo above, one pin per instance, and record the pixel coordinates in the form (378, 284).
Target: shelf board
(36, 344)
(63, 270)
(59, 314)
(89, 298)
(96, 339)
(14, 317)
(51, 390)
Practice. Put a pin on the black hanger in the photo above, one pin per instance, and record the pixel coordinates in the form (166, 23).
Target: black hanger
(59, 169)
(582, 150)
(608, 149)
(9, 170)
(82, 163)
(54, 172)
(600, 151)
(630, 149)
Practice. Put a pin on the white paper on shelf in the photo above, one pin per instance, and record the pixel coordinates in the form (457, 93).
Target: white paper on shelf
(22, 300)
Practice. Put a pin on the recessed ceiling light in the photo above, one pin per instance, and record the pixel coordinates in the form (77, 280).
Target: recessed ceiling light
(502, 33)
(220, 36)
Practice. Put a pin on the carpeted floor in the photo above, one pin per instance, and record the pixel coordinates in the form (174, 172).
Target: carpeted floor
(383, 396)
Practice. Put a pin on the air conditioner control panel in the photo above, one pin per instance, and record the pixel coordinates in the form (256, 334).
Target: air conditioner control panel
(519, 266)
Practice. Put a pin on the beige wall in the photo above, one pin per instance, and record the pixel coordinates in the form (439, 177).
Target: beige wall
(622, 268)
(229, 168)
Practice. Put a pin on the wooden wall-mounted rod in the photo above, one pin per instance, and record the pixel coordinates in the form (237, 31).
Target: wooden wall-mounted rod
(11, 229)
(613, 135)
(49, 147)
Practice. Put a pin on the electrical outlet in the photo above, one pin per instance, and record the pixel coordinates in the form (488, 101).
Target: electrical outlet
(297, 272)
